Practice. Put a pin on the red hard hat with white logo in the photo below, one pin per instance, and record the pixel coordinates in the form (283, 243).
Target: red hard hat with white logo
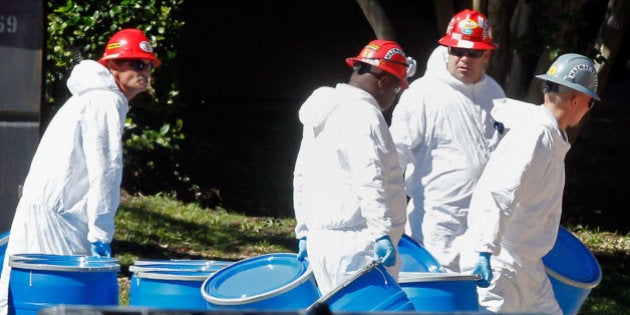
(386, 55)
(468, 29)
(129, 43)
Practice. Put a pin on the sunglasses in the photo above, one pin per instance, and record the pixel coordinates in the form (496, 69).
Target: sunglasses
(470, 53)
(139, 65)
(591, 103)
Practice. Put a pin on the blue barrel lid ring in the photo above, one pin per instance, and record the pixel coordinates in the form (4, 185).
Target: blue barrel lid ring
(221, 287)
(61, 265)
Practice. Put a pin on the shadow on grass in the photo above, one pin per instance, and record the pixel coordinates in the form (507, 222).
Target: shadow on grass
(205, 234)
(612, 294)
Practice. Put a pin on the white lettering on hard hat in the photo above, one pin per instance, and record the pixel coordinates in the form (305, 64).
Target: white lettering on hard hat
(579, 67)
(586, 67)
(390, 53)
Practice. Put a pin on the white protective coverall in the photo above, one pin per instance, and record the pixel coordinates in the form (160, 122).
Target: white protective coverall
(348, 185)
(72, 190)
(516, 207)
(444, 134)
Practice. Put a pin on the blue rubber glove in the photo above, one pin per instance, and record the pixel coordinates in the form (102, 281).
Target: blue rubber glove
(384, 250)
(302, 249)
(100, 249)
(484, 270)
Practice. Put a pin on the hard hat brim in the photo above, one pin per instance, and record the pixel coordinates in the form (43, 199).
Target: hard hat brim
(404, 84)
(350, 62)
(155, 62)
(570, 85)
(462, 43)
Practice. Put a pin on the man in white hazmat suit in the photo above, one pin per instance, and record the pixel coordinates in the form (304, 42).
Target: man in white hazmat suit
(349, 194)
(515, 211)
(72, 190)
(444, 135)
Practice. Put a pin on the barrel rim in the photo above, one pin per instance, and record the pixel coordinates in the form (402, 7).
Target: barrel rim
(411, 277)
(174, 275)
(558, 275)
(149, 268)
(574, 283)
(50, 265)
(304, 278)
(192, 262)
(182, 267)
(54, 257)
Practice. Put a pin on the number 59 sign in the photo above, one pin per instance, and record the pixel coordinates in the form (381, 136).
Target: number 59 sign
(8, 23)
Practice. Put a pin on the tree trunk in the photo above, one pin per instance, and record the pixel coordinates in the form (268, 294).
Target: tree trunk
(605, 48)
(444, 11)
(500, 61)
(377, 18)
(609, 38)
(562, 40)
(523, 34)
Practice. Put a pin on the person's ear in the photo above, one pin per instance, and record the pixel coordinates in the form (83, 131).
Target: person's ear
(113, 66)
(575, 100)
(486, 55)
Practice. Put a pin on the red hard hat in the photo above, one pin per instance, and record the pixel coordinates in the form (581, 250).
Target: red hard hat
(129, 43)
(386, 55)
(468, 29)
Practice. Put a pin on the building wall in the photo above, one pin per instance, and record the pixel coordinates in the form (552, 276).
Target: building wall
(21, 37)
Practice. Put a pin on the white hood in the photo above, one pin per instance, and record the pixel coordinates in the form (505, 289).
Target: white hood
(90, 75)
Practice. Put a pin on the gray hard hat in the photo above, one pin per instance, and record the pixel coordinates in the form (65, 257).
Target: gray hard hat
(574, 71)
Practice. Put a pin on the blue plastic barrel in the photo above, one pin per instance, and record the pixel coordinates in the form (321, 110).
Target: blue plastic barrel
(4, 239)
(367, 290)
(171, 284)
(45, 282)
(415, 258)
(440, 292)
(272, 282)
(573, 271)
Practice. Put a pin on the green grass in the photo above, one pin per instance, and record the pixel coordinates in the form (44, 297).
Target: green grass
(612, 295)
(159, 227)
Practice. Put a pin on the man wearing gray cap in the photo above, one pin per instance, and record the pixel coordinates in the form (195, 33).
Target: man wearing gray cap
(515, 210)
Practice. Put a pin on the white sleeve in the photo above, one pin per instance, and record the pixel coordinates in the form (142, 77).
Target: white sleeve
(498, 189)
(102, 128)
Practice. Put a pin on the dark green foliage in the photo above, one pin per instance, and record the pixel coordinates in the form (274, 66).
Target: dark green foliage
(79, 29)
